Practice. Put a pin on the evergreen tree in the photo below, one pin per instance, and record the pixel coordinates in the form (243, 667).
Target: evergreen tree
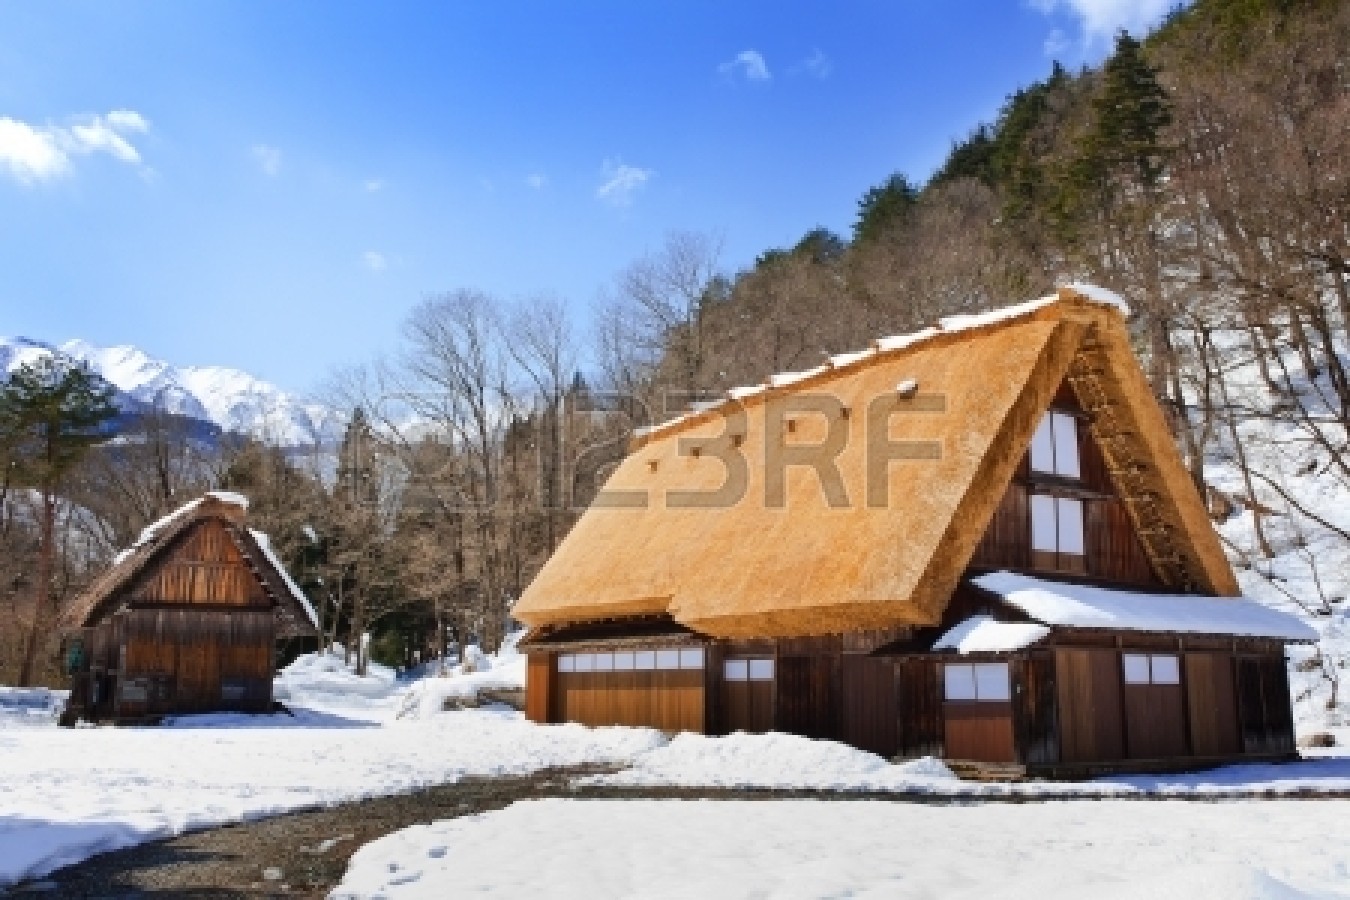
(885, 206)
(52, 412)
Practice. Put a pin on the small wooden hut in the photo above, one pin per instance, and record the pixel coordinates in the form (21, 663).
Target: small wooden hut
(185, 621)
(977, 542)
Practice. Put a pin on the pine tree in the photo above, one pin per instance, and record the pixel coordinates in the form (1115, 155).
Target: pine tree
(52, 412)
(885, 206)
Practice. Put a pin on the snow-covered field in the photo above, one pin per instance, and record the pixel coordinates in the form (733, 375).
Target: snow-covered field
(805, 848)
(67, 794)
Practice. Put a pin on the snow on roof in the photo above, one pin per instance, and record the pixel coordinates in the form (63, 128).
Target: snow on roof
(1082, 606)
(265, 544)
(981, 634)
(948, 325)
(149, 532)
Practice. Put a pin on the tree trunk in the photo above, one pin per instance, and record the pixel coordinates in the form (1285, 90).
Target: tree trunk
(43, 589)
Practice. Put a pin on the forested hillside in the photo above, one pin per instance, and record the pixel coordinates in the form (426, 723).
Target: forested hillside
(1203, 172)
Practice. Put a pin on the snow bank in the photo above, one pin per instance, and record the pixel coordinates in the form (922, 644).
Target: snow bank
(773, 760)
(30, 706)
(982, 634)
(1083, 606)
(504, 671)
(326, 681)
(810, 848)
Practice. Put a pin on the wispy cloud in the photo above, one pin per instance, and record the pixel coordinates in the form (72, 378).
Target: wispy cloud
(1103, 18)
(817, 65)
(374, 261)
(32, 153)
(748, 64)
(1056, 42)
(374, 185)
(268, 159)
(621, 182)
(537, 180)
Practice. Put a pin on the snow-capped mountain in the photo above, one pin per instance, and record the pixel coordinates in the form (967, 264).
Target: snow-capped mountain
(228, 398)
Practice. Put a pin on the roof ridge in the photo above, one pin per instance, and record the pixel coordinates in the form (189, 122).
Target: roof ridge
(1078, 294)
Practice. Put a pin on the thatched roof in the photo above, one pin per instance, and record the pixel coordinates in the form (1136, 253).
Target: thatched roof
(745, 566)
(295, 615)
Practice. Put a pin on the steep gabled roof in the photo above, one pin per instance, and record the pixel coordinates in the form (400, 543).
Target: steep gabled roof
(295, 615)
(974, 389)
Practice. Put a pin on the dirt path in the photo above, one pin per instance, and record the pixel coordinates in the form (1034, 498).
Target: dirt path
(305, 854)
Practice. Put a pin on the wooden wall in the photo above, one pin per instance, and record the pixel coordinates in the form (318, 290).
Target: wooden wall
(1091, 719)
(204, 566)
(1212, 704)
(870, 715)
(538, 686)
(668, 699)
(1265, 718)
(1114, 553)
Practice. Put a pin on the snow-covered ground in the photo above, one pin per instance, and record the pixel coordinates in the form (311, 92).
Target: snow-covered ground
(67, 794)
(1241, 850)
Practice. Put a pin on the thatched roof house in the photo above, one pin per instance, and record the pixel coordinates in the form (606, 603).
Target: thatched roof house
(186, 619)
(830, 523)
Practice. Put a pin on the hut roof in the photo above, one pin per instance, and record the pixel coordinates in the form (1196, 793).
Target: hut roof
(294, 612)
(703, 522)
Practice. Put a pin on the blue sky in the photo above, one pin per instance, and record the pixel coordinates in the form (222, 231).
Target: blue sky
(271, 186)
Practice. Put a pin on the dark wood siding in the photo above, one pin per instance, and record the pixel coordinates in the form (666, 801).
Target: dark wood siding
(1114, 552)
(1035, 712)
(747, 706)
(1155, 721)
(1212, 704)
(869, 718)
(1088, 684)
(204, 566)
(1264, 713)
(919, 702)
(807, 695)
(1006, 543)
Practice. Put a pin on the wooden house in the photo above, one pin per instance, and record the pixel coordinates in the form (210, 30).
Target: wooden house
(976, 542)
(185, 621)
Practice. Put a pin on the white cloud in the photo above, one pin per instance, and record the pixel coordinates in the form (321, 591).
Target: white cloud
(1101, 19)
(268, 158)
(375, 261)
(1056, 42)
(622, 181)
(748, 64)
(374, 185)
(32, 153)
(818, 64)
(537, 180)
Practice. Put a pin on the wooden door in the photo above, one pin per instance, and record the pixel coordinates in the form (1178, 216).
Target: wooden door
(805, 696)
(1211, 698)
(1087, 683)
(869, 718)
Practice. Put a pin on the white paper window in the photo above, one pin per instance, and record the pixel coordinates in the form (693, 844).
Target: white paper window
(1054, 446)
(736, 670)
(667, 659)
(691, 659)
(604, 662)
(1136, 668)
(1044, 524)
(623, 661)
(585, 662)
(1165, 669)
(991, 682)
(1043, 447)
(567, 663)
(644, 660)
(1070, 519)
(959, 681)
(761, 670)
(1066, 445)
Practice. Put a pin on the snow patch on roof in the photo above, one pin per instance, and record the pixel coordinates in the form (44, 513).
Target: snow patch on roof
(1101, 295)
(1081, 606)
(982, 634)
(151, 531)
(265, 544)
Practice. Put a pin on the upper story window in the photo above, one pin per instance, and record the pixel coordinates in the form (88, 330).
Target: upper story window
(1054, 446)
